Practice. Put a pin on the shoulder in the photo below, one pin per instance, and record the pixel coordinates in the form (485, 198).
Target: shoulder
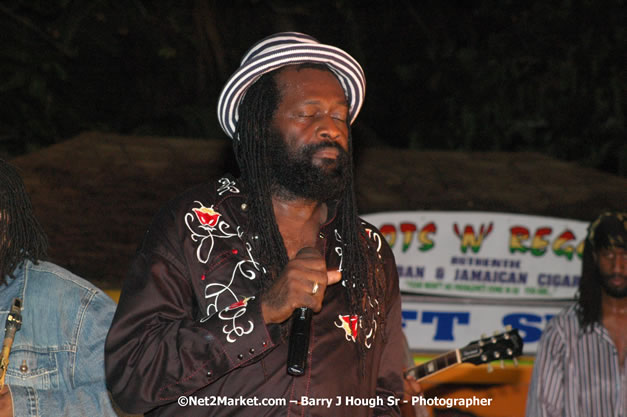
(565, 319)
(382, 253)
(201, 200)
(562, 327)
(48, 281)
(377, 241)
(203, 205)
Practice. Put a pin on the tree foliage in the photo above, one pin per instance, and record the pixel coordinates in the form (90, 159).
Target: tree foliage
(484, 75)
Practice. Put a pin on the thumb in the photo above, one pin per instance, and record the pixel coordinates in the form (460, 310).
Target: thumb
(333, 276)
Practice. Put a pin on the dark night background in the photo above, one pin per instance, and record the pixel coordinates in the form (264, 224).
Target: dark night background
(484, 75)
(517, 89)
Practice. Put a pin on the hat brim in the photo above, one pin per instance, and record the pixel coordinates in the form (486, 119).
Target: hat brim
(345, 67)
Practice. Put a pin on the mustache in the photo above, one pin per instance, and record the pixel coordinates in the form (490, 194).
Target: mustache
(313, 148)
(614, 276)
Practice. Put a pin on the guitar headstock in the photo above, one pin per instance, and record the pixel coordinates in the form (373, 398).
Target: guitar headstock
(505, 345)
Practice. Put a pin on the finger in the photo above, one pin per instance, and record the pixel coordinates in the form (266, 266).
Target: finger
(312, 301)
(415, 387)
(311, 259)
(333, 277)
(308, 252)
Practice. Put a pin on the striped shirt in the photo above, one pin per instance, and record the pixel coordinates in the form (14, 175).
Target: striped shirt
(576, 373)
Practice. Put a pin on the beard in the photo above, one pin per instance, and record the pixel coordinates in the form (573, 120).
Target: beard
(613, 290)
(294, 174)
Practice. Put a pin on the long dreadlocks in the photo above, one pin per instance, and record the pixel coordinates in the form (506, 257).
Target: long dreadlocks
(21, 235)
(608, 231)
(364, 289)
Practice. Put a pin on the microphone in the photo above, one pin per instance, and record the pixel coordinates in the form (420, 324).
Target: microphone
(301, 325)
(13, 324)
(299, 341)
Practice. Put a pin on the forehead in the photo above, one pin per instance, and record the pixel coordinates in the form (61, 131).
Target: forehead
(297, 84)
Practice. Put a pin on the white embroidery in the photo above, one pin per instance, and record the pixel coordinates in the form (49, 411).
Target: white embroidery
(371, 334)
(375, 237)
(338, 251)
(204, 230)
(227, 185)
(238, 309)
(206, 225)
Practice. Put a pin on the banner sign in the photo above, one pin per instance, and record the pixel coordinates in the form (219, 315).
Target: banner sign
(481, 254)
(432, 326)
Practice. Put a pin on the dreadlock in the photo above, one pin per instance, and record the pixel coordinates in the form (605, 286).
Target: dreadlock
(589, 292)
(364, 287)
(21, 235)
(609, 230)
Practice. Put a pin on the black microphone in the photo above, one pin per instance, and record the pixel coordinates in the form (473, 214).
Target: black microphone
(299, 341)
(301, 325)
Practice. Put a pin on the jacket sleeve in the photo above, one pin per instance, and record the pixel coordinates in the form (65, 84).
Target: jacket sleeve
(87, 394)
(545, 397)
(389, 380)
(157, 349)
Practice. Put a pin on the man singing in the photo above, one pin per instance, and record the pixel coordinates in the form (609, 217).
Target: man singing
(207, 309)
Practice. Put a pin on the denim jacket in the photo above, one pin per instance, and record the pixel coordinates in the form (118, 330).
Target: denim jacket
(56, 366)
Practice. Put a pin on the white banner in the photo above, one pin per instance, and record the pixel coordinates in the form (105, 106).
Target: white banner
(481, 254)
(432, 326)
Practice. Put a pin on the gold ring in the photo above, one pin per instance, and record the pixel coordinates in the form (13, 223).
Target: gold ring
(314, 290)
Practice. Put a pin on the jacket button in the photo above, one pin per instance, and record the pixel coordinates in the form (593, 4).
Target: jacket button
(209, 374)
(244, 206)
(240, 356)
(252, 351)
(321, 235)
(23, 367)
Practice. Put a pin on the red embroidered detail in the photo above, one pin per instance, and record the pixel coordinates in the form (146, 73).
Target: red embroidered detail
(349, 324)
(207, 216)
(203, 277)
(234, 251)
(238, 304)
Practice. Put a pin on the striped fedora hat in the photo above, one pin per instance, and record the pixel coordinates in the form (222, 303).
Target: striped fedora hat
(287, 48)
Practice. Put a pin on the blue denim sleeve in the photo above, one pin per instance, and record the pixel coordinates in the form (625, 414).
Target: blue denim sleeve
(85, 393)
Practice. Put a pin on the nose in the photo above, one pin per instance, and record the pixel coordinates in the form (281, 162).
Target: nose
(330, 129)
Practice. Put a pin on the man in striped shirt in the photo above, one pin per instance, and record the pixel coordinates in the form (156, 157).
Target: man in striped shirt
(580, 369)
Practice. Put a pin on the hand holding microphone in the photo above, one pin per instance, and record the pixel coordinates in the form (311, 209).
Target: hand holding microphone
(298, 292)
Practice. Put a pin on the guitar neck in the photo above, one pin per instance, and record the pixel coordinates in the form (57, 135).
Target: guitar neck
(435, 365)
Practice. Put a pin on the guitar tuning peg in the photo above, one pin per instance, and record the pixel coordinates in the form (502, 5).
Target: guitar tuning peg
(497, 355)
(484, 357)
(510, 352)
(490, 368)
(508, 328)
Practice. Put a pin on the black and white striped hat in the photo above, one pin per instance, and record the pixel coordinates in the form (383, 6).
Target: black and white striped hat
(287, 48)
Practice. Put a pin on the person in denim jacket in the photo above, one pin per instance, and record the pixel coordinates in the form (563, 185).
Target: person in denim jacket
(56, 364)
